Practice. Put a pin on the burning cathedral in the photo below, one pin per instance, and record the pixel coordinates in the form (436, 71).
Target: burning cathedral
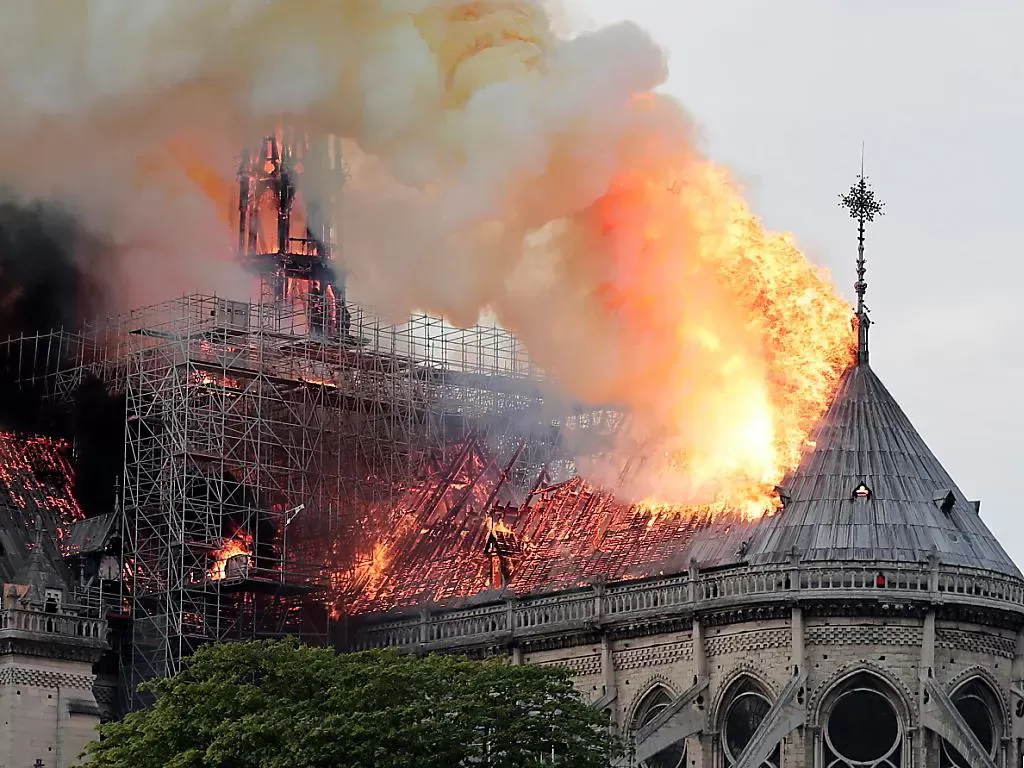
(213, 470)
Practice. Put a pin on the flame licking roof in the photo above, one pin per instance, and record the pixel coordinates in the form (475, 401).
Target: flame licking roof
(909, 506)
(570, 534)
(564, 535)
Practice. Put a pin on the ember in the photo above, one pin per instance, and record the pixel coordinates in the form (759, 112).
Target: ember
(443, 542)
(36, 474)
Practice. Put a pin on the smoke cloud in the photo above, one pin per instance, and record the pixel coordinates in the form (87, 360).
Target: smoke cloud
(494, 165)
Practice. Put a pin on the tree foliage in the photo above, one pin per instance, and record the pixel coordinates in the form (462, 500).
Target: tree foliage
(283, 705)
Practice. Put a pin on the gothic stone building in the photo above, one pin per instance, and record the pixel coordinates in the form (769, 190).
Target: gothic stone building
(872, 622)
(48, 647)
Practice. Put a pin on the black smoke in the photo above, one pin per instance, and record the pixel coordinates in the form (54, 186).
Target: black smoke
(48, 269)
(43, 287)
(98, 427)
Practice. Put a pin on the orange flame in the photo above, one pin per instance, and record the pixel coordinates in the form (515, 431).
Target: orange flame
(498, 526)
(185, 168)
(240, 544)
(733, 343)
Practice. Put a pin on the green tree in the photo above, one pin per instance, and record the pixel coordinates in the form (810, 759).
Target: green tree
(283, 705)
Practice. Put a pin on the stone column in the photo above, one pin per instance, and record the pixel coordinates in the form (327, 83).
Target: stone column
(798, 654)
(607, 664)
(801, 741)
(424, 626)
(699, 747)
(927, 742)
(700, 659)
(699, 753)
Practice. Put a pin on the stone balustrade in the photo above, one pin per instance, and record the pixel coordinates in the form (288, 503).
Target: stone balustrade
(608, 604)
(64, 625)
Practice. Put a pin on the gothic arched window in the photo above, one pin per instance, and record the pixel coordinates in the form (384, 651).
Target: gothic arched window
(979, 708)
(863, 729)
(747, 707)
(654, 703)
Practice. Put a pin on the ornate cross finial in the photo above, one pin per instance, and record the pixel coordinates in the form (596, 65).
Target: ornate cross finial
(861, 203)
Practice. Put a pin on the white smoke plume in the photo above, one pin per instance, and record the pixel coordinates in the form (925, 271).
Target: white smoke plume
(485, 149)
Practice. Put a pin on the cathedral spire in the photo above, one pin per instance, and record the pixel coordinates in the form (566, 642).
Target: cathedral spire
(861, 203)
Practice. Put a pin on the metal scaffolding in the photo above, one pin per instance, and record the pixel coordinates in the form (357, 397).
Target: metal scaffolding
(248, 433)
(267, 442)
(266, 448)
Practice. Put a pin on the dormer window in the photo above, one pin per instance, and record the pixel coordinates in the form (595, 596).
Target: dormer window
(944, 500)
(862, 492)
(52, 598)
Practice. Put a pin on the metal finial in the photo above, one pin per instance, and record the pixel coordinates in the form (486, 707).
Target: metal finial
(860, 201)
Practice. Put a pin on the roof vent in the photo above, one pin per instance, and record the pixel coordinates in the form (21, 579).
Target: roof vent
(944, 500)
(976, 506)
(862, 491)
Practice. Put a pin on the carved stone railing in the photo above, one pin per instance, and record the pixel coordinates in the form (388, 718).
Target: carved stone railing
(59, 624)
(610, 604)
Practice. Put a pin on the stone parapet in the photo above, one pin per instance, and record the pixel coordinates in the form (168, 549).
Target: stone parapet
(18, 621)
(606, 606)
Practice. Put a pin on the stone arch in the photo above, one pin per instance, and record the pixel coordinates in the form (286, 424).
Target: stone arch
(741, 703)
(837, 698)
(734, 677)
(645, 690)
(985, 677)
(978, 684)
(651, 704)
(902, 697)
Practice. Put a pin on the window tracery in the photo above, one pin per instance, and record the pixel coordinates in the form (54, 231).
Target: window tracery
(979, 708)
(747, 708)
(653, 704)
(863, 728)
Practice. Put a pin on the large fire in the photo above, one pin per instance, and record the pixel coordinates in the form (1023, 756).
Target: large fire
(738, 343)
(495, 166)
(240, 545)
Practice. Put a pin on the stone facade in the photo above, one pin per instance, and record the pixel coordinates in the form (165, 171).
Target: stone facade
(766, 654)
(762, 667)
(48, 711)
(47, 706)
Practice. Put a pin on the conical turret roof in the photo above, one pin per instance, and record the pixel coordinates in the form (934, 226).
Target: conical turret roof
(871, 490)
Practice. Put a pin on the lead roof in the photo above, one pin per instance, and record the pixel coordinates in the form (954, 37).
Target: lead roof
(865, 437)
(573, 534)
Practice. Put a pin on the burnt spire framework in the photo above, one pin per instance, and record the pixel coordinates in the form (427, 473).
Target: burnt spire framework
(863, 206)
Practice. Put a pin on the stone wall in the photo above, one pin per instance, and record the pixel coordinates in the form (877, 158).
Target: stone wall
(48, 710)
(801, 642)
(767, 654)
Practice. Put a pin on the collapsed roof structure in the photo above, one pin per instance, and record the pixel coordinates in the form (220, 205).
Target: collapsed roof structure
(867, 490)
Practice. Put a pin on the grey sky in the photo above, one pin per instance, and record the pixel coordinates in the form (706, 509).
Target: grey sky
(786, 90)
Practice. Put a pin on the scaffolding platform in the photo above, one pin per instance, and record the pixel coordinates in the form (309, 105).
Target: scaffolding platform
(268, 586)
